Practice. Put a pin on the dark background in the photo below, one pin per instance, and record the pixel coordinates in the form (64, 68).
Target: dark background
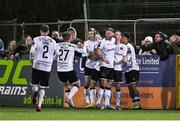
(33, 11)
(52, 10)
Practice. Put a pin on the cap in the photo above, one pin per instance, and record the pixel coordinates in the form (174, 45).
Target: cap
(148, 38)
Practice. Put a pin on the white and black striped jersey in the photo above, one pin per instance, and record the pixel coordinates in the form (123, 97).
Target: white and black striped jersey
(90, 47)
(120, 53)
(131, 59)
(107, 49)
(42, 52)
(65, 56)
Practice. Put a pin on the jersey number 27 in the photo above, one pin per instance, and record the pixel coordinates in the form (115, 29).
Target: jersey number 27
(61, 51)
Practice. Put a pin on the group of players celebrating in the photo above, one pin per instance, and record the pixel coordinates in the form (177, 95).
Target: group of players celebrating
(106, 60)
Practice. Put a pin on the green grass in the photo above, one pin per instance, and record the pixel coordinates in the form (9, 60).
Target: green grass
(91, 114)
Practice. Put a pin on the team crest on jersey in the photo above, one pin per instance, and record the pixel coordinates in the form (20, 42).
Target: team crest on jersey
(128, 50)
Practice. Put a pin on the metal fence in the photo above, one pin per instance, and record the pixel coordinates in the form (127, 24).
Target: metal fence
(138, 29)
(148, 27)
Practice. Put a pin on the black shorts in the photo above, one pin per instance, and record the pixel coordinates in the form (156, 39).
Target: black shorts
(132, 76)
(70, 76)
(40, 78)
(117, 76)
(96, 75)
(106, 73)
(88, 71)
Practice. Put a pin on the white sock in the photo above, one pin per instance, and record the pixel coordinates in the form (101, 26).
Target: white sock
(86, 94)
(67, 94)
(34, 88)
(118, 97)
(73, 91)
(136, 101)
(99, 96)
(107, 97)
(41, 96)
(92, 95)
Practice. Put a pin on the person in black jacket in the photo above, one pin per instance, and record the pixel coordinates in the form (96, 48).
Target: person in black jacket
(160, 46)
(23, 48)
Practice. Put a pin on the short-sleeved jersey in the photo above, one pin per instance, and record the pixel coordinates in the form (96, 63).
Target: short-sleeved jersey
(90, 47)
(65, 56)
(107, 49)
(131, 59)
(120, 53)
(42, 52)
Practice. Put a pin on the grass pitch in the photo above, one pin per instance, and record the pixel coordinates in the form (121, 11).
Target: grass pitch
(9, 113)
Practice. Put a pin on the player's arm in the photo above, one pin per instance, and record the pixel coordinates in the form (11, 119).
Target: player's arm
(99, 53)
(55, 53)
(32, 51)
(124, 59)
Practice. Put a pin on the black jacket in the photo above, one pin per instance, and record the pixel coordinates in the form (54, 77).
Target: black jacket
(161, 49)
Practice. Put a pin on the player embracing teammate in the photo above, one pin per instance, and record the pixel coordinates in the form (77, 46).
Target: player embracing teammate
(106, 61)
(92, 73)
(114, 54)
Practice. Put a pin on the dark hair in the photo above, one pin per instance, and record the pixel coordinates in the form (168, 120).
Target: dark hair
(110, 29)
(162, 35)
(178, 32)
(44, 28)
(118, 31)
(125, 34)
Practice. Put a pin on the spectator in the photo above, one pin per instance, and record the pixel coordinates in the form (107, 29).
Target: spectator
(2, 53)
(160, 46)
(55, 35)
(175, 42)
(146, 46)
(11, 48)
(24, 47)
(75, 40)
(1, 45)
(74, 34)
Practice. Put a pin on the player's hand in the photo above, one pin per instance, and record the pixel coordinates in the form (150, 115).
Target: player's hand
(124, 60)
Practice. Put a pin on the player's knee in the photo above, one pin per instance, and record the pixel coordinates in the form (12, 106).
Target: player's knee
(118, 88)
(87, 83)
(77, 83)
(34, 88)
(108, 85)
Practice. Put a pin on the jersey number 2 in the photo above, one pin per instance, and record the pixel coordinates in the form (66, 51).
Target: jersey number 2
(46, 49)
